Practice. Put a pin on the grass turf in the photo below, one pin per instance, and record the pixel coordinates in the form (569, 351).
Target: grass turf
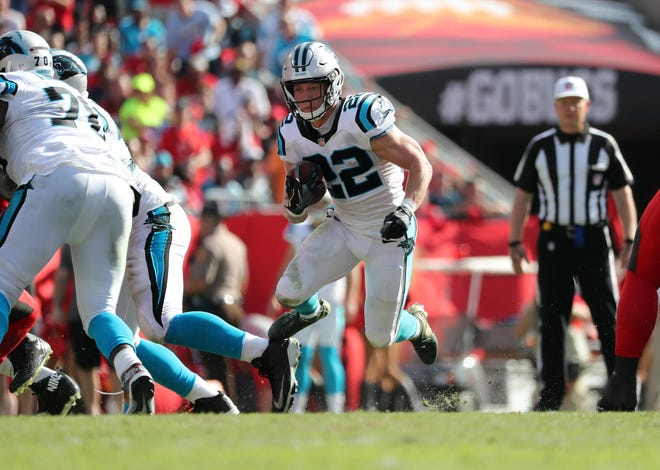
(350, 441)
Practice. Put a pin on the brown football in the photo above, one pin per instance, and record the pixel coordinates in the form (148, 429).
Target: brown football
(311, 176)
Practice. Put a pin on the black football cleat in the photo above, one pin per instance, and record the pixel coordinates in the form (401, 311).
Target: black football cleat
(219, 404)
(278, 364)
(139, 391)
(27, 359)
(56, 394)
(290, 322)
(425, 343)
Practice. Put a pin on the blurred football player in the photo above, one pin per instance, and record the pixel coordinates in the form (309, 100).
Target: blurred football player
(159, 240)
(362, 155)
(636, 312)
(67, 193)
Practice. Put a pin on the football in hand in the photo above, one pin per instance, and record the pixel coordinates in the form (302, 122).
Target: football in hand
(311, 177)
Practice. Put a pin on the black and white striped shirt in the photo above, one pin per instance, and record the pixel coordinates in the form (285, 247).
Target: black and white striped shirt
(572, 174)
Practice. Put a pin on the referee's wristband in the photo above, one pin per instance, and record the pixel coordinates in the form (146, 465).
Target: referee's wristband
(515, 243)
(629, 241)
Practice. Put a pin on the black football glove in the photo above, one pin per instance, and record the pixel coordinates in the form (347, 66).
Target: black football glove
(396, 224)
(301, 195)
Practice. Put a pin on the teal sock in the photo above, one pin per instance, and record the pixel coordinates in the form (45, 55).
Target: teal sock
(334, 374)
(109, 331)
(303, 372)
(206, 332)
(408, 327)
(309, 306)
(165, 367)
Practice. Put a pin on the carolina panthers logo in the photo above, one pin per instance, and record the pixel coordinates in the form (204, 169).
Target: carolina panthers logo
(66, 68)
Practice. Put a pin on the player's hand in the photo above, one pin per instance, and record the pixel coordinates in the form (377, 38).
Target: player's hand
(295, 193)
(396, 224)
(301, 193)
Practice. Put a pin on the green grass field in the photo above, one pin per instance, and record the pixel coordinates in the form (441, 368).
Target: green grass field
(351, 441)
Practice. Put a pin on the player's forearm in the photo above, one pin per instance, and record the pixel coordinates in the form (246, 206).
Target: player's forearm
(419, 177)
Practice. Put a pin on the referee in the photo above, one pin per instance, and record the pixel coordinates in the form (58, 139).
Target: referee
(571, 168)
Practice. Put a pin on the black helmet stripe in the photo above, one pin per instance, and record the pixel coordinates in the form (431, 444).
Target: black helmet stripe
(300, 57)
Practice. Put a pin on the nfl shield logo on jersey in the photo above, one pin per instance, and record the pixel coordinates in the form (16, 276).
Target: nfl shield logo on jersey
(321, 141)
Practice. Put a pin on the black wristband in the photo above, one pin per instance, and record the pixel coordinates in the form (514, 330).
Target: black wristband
(515, 243)
(629, 241)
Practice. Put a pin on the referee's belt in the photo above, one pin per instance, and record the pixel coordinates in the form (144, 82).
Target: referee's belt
(570, 230)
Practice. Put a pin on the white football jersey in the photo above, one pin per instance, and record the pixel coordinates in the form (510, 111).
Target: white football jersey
(364, 188)
(152, 194)
(48, 124)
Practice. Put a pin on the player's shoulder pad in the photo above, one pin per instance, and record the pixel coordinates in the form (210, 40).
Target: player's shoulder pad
(288, 126)
(370, 111)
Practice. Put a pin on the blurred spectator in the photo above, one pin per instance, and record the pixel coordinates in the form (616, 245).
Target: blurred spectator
(197, 83)
(224, 187)
(241, 106)
(143, 109)
(242, 23)
(137, 27)
(190, 191)
(270, 28)
(217, 283)
(442, 191)
(143, 149)
(194, 27)
(42, 19)
(10, 18)
(53, 15)
(473, 203)
(186, 141)
(290, 33)
(102, 48)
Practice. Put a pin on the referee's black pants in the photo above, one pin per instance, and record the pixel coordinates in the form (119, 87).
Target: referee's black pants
(566, 255)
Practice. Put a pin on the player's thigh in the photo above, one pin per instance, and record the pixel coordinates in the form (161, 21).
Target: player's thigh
(126, 309)
(386, 277)
(35, 225)
(99, 257)
(322, 258)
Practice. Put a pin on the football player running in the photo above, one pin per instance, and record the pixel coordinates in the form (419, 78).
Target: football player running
(68, 192)
(362, 155)
(159, 239)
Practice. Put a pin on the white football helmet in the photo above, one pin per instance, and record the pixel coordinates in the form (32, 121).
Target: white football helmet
(69, 68)
(22, 50)
(312, 61)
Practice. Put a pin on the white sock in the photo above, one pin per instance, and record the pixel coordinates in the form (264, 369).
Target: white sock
(201, 389)
(336, 402)
(253, 347)
(7, 368)
(123, 361)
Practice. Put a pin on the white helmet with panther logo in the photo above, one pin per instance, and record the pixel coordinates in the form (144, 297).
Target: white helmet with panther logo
(69, 68)
(312, 62)
(22, 50)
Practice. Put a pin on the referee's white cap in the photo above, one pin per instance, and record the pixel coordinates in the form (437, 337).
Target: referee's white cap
(571, 86)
